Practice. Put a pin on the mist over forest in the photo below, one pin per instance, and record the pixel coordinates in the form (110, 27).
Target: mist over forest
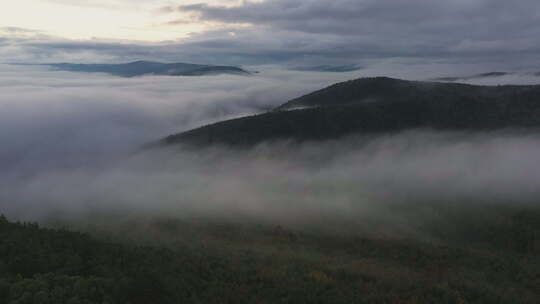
(269, 151)
(77, 146)
(123, 218)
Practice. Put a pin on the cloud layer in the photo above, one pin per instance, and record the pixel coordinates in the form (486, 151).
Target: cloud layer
(71, 148)
(53, 119)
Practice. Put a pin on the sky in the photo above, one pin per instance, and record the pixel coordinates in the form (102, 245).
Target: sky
(496, 34)
(116, 19)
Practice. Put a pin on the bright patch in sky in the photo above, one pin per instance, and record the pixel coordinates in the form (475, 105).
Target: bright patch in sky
(114, 19)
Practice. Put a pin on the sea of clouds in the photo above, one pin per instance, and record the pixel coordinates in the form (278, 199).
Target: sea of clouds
(73, 146)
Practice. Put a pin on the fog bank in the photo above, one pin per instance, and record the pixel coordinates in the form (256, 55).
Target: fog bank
(71, 149)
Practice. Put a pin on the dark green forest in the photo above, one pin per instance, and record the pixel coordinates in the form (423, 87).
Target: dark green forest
(378, 105)
(469, 258)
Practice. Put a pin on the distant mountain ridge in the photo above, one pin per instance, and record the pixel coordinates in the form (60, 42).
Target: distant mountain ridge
(378, 105)
(141, 68)
(385, 89)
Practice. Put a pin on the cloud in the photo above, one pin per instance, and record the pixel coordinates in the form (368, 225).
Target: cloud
(71, 148)
(65, 131)
(68, 116)
(411, 20)
(355, 30)
(315, 32)
(13, 30)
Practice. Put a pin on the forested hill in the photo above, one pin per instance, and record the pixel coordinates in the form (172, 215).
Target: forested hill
(225, 263)
(384, 89)
(379, 105)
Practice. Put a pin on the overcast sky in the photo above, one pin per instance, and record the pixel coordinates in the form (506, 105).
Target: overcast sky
(494, 33)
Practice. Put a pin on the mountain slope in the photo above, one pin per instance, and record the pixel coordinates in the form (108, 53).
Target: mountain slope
(238, 263)
(140, 68)
(383, 89)
(379, 105)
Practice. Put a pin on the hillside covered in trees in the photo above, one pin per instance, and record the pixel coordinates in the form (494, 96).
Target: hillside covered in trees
(379, 105)
(486, 259)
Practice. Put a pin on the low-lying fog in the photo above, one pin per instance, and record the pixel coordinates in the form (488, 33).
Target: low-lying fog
(70, 147)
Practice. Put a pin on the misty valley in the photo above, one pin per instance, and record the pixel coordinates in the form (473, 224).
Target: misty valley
(138, 183)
